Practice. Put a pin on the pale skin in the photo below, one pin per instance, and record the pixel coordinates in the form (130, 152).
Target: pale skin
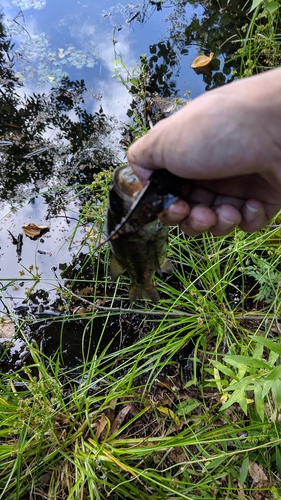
(227, 144)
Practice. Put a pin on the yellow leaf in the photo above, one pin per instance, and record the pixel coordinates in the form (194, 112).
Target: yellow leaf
(202, 61)
(167, 412)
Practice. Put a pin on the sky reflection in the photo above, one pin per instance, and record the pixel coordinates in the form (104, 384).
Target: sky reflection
(54, 39)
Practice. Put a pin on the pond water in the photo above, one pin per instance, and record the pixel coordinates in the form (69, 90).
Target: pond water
(62, 114)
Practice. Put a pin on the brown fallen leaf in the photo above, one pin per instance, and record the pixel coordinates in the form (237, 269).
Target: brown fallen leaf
(7, 328)
(111, 410)
(102, 425)
(261, 485)
(101, 302)
(240, 492)
(33, 231)
(118, 421)
(257, 472)
(178, 455)
(262, 491)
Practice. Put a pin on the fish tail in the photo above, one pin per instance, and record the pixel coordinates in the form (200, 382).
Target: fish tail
(137, 292)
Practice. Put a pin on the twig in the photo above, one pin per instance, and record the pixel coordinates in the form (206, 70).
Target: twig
(174, 314)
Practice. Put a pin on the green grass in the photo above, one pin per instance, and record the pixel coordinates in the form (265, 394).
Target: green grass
(132, 424)
(260, 38)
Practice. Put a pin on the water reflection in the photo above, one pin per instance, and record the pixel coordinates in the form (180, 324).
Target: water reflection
(62, 113)
(45, 135)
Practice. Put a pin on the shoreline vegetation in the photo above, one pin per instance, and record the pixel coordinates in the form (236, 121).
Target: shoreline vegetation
(183, 402)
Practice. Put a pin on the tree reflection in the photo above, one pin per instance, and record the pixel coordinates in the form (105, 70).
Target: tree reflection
(42, 136)
(212, 32)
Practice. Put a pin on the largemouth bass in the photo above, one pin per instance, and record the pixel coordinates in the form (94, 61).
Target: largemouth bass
(137, 237)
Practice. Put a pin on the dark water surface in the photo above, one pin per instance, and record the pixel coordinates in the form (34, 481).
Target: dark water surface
(62, 113)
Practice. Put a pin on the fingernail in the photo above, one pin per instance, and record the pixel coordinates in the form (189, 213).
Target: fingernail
(179, 208)
(250, 212)
(197, 225)
(225, 223)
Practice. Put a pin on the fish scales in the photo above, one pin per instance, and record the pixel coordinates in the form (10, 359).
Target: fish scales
(138, 239)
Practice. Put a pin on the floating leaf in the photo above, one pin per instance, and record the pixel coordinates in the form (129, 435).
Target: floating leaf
(202, 61)
(33, 231)
(7, 328)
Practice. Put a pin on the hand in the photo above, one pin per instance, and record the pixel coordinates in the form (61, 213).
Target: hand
(227, 143)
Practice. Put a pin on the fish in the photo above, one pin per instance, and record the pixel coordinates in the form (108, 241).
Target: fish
(138, 239)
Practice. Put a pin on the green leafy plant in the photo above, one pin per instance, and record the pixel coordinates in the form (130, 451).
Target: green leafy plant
(252, 379)
(267, 277)
(260, 40)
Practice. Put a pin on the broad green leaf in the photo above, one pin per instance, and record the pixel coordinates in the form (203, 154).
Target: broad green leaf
(272, 358)
(244, 470)
(217, 379)
(278, 459)
(267, 385)
(275, 374)
(224, 369)
(237, 397)
(258, 352)
(246, 383)
(276, 388)
(255, 4)
(186, 407)
(238, 360)
(215, 462)
(272, 6)
(270, 344)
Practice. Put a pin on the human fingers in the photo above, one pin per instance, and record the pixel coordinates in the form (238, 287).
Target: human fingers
(254, 216)
(228, 218)
(219, 221)
(199, 220)
(176, 213)
(204, 213)
(192, 221)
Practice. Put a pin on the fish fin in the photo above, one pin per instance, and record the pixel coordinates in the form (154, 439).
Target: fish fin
(137, 292)
(116, 269)
(167, 267)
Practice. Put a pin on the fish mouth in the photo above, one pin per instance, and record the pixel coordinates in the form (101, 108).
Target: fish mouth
(127, 183)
